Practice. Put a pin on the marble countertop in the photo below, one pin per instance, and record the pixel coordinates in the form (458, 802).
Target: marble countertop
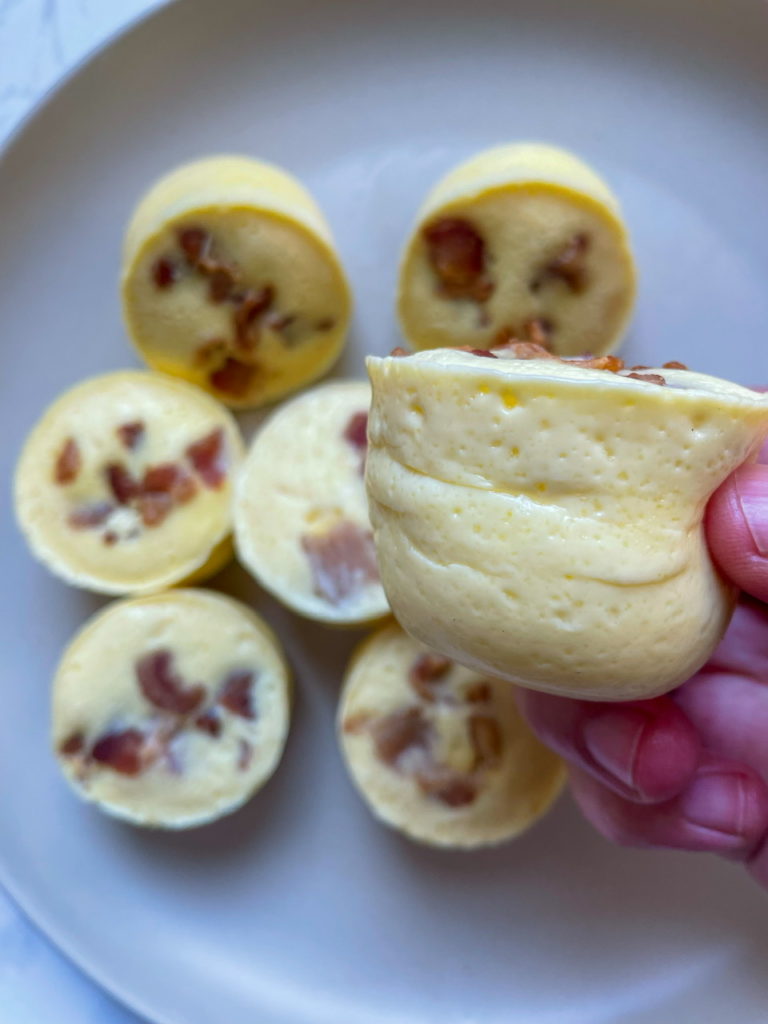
(40, 40)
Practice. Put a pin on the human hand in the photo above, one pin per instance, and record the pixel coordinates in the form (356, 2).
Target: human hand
(688, 770)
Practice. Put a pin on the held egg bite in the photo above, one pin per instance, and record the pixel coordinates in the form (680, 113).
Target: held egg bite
(438, 751)
(230, 279)
(521, 241)
(125, 484)
(301, 513)
(542, 520)
(172, 710)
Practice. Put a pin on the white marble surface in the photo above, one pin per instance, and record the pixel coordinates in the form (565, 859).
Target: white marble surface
(39, 41)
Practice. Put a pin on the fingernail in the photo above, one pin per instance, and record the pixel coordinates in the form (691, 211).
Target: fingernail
(716, 802)
(612, 739)
(751, 483)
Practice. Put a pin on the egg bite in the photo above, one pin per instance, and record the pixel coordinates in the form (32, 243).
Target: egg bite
(522, 241)
(231, 280)
(301, 513)
(541, 519)
(171, 710)
(439, 751)
(125, 483)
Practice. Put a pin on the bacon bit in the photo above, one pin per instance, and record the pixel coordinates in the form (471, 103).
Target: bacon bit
(88, 517)
(476, 351)
(169, 478)
(251, 305)
(524, 350)
(207, 458)
(233, 378)
(649, 378)
(154, 509)
(221, 281)
(121, 482)
(210, 723)
(456, 253)
(281, 324)
(399, 732)
(245, 755)
(487, 741)
(121, 751)
(194, 243)
(342, 561)
(478, 693)
(427, 670)
(674, 365)
(68, 463)
(538, 330)
(640, 367)
(398, 351)
(326, 324)
(110, 538)
(356, 723)
(72, 745)
(163, 688)
(356, 430)
(567, 266)
(164, 273)
(237, 694)
(588, 362)
(131, 434)
(447, 787)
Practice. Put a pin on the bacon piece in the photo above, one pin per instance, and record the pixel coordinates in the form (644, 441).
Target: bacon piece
(122, 483)
(567, 266)
(425, 672)
(110, 538)
(342, 561)
(162, 687)
(154, 508)
(523, 350)
(122, 751)
(448, 787)
(538, 330)
(233, 377)
(456, 252)
(169, 478)
(399, 732)
(207, 458)
(164, 273)
(478, 693)
(221, 282)
(589, 362)
(236, 694)
(356, 430)
(72, 745)
(194, 243)
(674, 365)
(649, 378)
(487, 741)
(88, 517)
(356, 723)
(477, 351)
(131, 434)
(640, 367)
(250, 306)
(326, 324)
(398, 352)
(209, 722)
(68, 463)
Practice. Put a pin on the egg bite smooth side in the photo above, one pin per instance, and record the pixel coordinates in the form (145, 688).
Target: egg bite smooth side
(439, 751)
(125, 483)
(541, 520)
(521, 241)
(231, 280)
(301, 513)
(171, 710)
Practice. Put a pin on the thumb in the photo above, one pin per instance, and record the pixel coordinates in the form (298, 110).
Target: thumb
(737, 529)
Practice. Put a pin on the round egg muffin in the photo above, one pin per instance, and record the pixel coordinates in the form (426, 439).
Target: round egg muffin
(525, 242)
(231, 280)
(438, 751)
(125, 484)
(301, 513)
(171, 710)
(541, 519)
